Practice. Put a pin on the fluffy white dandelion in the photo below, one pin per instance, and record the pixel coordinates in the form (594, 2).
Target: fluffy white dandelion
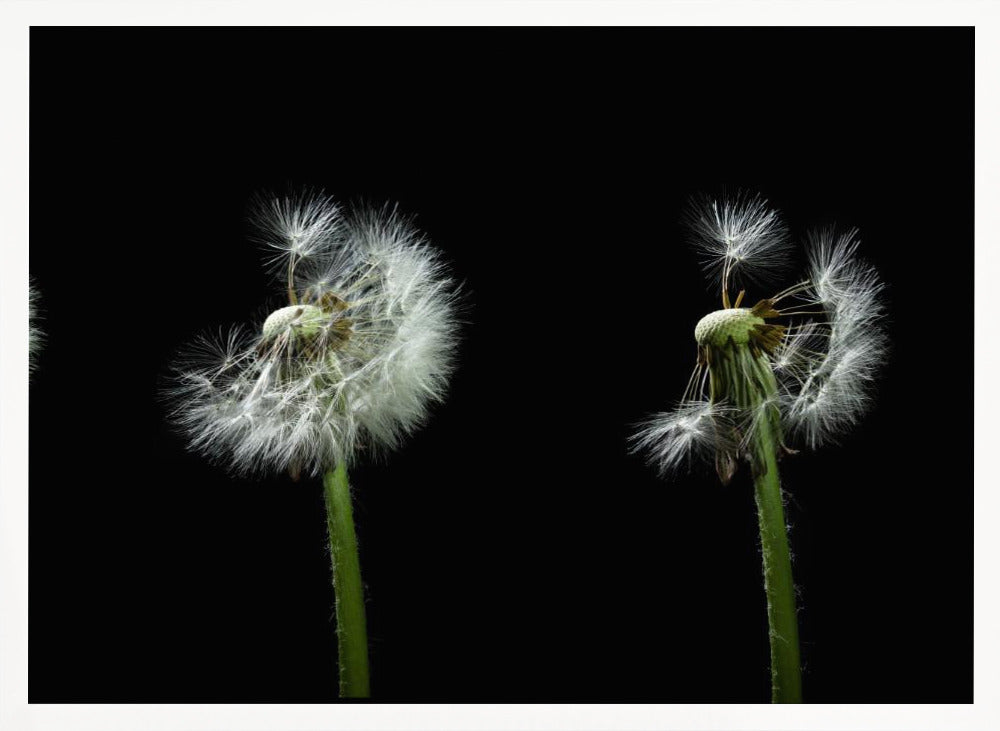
(796, 369)
(351, 364)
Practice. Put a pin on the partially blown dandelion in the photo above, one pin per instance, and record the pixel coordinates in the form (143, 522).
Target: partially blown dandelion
(350, 364)
(796, 368)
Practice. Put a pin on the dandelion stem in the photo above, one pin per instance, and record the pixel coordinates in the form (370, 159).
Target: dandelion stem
(783, 630)
(352, 637)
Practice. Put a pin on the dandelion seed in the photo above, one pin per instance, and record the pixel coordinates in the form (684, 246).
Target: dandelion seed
(740, 239)
(694, 429)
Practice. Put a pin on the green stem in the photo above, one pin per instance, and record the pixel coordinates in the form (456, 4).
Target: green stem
(786, 674)
(352, 637)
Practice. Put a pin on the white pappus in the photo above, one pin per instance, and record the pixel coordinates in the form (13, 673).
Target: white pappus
(802, 360)
(352, 362)
(35, 335)
(739, 238)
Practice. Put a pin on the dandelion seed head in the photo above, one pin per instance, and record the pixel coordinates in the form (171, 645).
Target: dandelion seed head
(716, 328)
(302, 321)
(351, 365)
(799, 366)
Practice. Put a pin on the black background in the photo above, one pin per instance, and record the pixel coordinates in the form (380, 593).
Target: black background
(512, 550)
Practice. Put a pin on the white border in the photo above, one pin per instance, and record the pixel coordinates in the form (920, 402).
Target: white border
(15, 714)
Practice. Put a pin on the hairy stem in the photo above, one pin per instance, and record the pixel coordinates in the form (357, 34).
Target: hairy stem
(783, 629)
(352, 636)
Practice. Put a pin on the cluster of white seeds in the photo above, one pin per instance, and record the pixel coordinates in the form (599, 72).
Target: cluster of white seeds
(351, 363)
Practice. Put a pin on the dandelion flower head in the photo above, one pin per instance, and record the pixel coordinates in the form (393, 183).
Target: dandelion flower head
(799, 364)
(352, 362)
